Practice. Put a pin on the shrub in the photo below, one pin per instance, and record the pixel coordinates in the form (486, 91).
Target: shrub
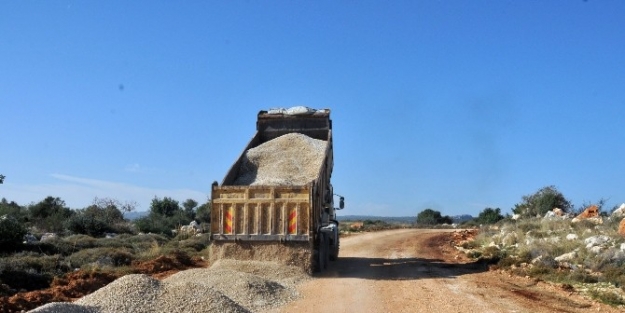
(196, 243)
(101, 256)
(614, 274)
(489, 216)
(89, 225)
(154, 223)
(11, 232)
(607, 297)
(545, 199)
(97, 219)
(431, 217)
(50, 214)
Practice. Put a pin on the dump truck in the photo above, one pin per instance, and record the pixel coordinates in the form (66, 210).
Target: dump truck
(276, 203)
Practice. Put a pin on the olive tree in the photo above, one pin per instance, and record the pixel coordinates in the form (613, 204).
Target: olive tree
(431, 217)
(489, 216)
(542, 201)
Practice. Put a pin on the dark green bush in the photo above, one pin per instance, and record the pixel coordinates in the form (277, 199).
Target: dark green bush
(156, 224)
(24, 280)
(545, 199)
(197, 243)
(97, 219)
(614, 274)
(582, 276)
(50, 214)
(88, 225)
(116, 256)
(489, 216)
(11, 232)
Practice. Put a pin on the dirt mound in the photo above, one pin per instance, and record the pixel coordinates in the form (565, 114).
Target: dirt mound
(166, 265)
(77, 284)
(444, 244)
(229, 286)
(67, 288)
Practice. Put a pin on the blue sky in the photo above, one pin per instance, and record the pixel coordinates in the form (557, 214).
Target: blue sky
(450, 105)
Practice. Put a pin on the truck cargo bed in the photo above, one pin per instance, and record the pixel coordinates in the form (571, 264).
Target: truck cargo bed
(265, 213)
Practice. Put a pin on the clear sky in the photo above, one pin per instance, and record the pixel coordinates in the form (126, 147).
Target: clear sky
(450, 105)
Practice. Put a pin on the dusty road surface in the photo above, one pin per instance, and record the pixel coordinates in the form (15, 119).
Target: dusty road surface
(416, 270)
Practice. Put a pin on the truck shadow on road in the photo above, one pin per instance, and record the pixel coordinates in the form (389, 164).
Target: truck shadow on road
(399, 269)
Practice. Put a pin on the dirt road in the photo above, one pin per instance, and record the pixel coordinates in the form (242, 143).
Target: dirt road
(415, 270)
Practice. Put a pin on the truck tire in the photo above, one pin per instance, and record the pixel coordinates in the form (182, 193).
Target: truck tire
(334, 250)
(322, 253)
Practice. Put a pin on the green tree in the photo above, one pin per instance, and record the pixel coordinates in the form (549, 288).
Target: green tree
(489, 216)
(13, 209)
(166, 206)
(165, 215)
(99, 218)
(545, 199)
(189, 206)
(431, 217)
(49, 214)
(2, 177)
(11, 232)
(154, 223)
(203, 212)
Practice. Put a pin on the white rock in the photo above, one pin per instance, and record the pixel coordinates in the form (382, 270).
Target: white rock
(566, 257)
(30, 238)
(516, 216)
(595, 249)
(571, 237)
(618, 256)
(550, 214)
(620, 212)
(596, 241)
(48, 236)
(545, 261)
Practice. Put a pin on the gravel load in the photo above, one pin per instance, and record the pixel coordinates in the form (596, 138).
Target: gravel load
(291, 159)
(230, 286)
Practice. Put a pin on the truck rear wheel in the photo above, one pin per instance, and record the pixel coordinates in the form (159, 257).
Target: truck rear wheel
(334, 251)
(322, 253)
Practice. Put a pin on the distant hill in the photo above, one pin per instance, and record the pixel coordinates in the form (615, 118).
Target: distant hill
(461, 218)
(388, 219)
(398, 219)
(135, 215)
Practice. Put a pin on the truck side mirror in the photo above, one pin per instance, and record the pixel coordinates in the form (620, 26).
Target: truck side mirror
(342, 202)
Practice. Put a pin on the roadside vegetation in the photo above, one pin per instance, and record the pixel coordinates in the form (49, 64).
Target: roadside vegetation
(48, 245)
(550, 240)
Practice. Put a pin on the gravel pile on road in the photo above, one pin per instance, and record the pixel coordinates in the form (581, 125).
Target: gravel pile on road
(291, 159)
(229, 286)
(292, 254)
